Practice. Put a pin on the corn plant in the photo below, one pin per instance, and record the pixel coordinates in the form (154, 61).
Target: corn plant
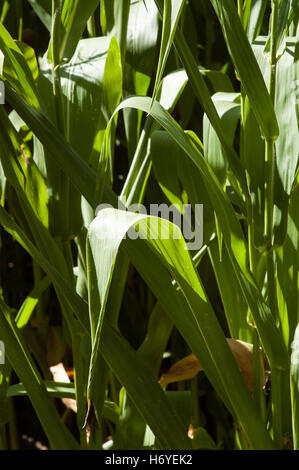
(130, 103)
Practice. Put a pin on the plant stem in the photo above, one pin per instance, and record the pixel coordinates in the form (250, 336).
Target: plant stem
(273, 47)
(77, 357)
(139, 168)
(79, 388)
(19, 12)
(270, 167)
(67, 250)
(59, 109)
(270, 150)
(269, 205)
(259, 372)
(258, 394)
(57, 92)
(276, 406)
(124, 9)
(56, 11)
(269, 193)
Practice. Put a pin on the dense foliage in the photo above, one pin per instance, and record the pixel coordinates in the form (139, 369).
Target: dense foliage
(119, 341)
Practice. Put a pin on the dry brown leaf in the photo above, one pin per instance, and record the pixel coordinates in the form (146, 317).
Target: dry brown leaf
(189, 367)
(60, 375)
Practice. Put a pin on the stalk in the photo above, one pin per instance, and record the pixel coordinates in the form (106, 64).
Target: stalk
(269, 204)
(59, 109)
(79, 366)
(201, 92)
(270, 150)
(65, 211)
(57, 92)
(139, 167)
(79, 388)
(258, 371)
(124, 9)
(19, 12)
(258, 394)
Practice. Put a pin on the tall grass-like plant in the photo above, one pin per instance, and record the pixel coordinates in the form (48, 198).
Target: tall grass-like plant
(136, 102)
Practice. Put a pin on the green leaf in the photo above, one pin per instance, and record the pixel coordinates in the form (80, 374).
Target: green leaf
(29, 304)
(110, 348)
(288, 273)
(230, 227)
(114, 18)
(54, 389)
(181, 402)
(112, 79)
(253, 144)
(112, 92)
(142, 35)
(43, 9)
(179, 178)
(246, 65)
(21, 170)
(165, 154)
(141, 42)
(235, 307)
(229, 112)
(91, 84)
(75, 302)
(171, 15)
(18, 356)
(285, 7)
(141, 385)
(73, 18)
(64, 390)
(30, 58)
(105, 235)
(82, 176)
(287, 145)
(202, 93)
(202, 440)
(16, 69)
(89, 97)
(170, 91)
(255, 20)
